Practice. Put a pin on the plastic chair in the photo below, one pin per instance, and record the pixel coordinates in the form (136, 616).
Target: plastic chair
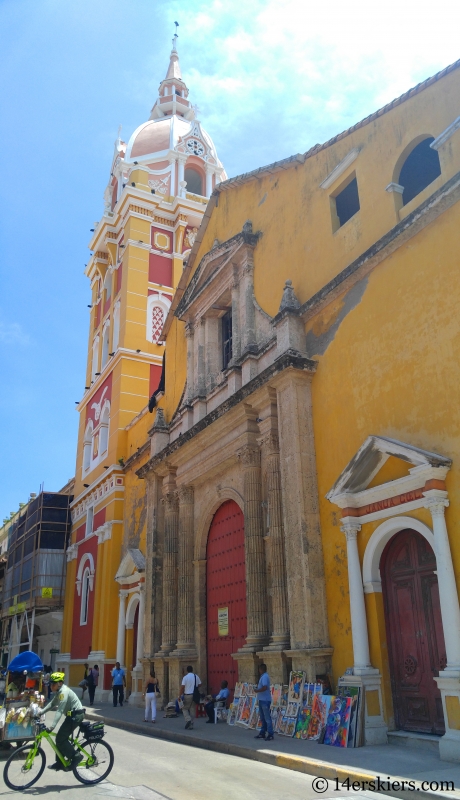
(219, 705)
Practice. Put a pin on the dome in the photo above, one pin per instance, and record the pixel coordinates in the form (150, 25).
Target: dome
(156, 137)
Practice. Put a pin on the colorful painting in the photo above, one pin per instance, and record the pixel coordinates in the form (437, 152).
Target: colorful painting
(237, 692)
(284, 696)
(290, 726)
(244, 689)
(233, 711)
(245, 710)
(292, 709)
(355, 729)
(303, 721)
(318, 719)
(251, 690)
(275, 689)
(338, 721)
(254, 718)
(296, 682)
(274, 713)
(281, 721)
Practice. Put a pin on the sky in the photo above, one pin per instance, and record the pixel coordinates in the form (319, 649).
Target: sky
(270, 77)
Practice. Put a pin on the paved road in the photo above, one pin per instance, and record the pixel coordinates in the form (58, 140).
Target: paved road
(152, 769)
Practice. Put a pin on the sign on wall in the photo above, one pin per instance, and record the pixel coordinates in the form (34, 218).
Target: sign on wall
(47, 591)
(222, 621)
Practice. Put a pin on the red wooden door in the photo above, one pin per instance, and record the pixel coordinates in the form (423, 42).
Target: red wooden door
(225, 588)
(414, 631)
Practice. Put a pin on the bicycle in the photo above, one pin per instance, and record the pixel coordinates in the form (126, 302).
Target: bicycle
(28, 762)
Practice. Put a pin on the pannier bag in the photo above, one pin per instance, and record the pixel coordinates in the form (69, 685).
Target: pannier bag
(92, 731)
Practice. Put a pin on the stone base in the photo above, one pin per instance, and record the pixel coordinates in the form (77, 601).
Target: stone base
(278, 665)
(248, 666)
(375, 728)
(136, 699)
(314, 661)
(161, 667)
(178, 663)
(449, 685)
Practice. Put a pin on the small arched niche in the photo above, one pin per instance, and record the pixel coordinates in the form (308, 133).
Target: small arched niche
(194, 181)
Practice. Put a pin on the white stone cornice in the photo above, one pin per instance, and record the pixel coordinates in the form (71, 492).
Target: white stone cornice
(394, 187)
(142, 245)
(105, 531)
(415, 480)
(446, 134)
(72, 552)
(340, 168)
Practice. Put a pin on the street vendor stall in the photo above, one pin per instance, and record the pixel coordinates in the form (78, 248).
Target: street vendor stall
(23, 698)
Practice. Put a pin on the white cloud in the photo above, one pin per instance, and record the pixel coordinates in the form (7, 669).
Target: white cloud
(11, 333)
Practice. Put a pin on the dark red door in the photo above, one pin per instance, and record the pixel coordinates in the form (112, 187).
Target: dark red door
(225, 589)
(414, 631)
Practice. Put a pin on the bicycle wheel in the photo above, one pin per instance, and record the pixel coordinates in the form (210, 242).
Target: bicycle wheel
(19, 773)
(95, 767)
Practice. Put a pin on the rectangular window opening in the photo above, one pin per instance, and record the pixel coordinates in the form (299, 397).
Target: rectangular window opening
(345, 204)
(226, 339)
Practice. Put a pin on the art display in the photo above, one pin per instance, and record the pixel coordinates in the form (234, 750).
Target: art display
(237, 692)
(245, 709)
(233, 711)
(338, 721)
(318, 719)
(296, 684)
(276, 690)
(281, 722)
(355, 731)
(292, 709)
(290, 725)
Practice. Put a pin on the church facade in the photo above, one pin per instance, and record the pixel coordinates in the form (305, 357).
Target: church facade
(302, 492)
(157, 192)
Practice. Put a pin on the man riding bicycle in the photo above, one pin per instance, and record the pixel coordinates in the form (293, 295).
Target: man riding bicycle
(64, 702)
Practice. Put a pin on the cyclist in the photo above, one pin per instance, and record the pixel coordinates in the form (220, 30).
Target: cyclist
(66, 702)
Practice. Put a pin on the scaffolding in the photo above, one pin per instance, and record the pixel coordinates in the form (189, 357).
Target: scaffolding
(34, 579)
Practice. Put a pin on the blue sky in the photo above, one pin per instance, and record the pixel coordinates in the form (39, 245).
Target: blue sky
(270, 78)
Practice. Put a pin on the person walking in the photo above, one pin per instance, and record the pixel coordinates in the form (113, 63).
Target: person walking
(118, 684)
(151, 689)
(265, 699)
(93, 680)
(190, 690)
(84, 683)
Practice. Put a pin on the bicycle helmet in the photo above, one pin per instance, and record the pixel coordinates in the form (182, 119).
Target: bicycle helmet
(57, 677)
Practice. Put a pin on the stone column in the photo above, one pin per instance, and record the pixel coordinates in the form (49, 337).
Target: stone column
(436, 501)
(208, 181)
(140, 628)
(190, 362)
(256, 582)
(121, 627)
(236, 335)
(280, 634)
(171, 524)
(248, 318)
(185, 600)
(359, 634)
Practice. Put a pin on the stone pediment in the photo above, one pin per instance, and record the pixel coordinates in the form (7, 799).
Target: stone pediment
(132, 563)
(213, 264)
(352, 487)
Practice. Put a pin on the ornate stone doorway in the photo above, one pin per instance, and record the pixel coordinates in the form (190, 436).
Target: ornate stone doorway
(414, 631)
(225, 594)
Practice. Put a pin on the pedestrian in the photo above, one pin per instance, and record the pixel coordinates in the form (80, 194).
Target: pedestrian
(84, 683)
(151, 689)
(118, 684)
(93, 680)
(265, 699)
(223, 695)
(190, 689)
(64, 703)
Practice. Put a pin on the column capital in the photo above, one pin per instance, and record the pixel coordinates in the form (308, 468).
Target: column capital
(350, 527)
(436, 501)
(249, 456)
(270, 443)
(189, 329)
(185, 495)
(123, 593)
(169, 501)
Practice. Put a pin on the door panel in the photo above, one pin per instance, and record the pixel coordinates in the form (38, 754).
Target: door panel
(225, 588)
(414, 631)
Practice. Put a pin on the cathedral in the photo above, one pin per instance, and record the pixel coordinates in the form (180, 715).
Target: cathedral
(269, 442)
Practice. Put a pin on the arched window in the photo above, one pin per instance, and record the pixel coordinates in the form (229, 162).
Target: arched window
(116, 326)
(420, 168)
(95, 359)
(84, 597)
(157, 309)
(107, 286)
(87, 444)
(104, 429)
(105, 344)
(194, 181)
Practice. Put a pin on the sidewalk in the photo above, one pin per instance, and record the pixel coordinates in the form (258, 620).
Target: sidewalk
(357, 764)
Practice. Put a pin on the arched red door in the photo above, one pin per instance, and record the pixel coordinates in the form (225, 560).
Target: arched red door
(225, 592)
(414, 631)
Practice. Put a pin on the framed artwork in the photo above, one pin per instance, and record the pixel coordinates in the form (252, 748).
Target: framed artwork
(338, 721)
(296, 683)
(318, 719)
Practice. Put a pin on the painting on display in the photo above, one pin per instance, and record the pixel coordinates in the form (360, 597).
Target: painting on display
(355, 731)
(292, 709)
(237, 692)
(290, 726)
(296, 683)
(281, 721)
(304, 715)
(276, 690)
(318, 719)
(338, 721)
(245, 710)
(233, 711)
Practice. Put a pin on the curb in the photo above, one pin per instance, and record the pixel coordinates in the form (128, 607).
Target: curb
(309, 766)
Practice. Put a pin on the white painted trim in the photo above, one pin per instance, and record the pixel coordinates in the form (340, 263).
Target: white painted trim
(340, 168)
(446, 134)
(394, 187)
(133, 602)
(378, 541)
(415, 480)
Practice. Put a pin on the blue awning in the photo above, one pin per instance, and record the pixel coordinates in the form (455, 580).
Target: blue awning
(26, 661)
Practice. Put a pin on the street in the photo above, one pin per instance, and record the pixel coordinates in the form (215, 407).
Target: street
(150, 769)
